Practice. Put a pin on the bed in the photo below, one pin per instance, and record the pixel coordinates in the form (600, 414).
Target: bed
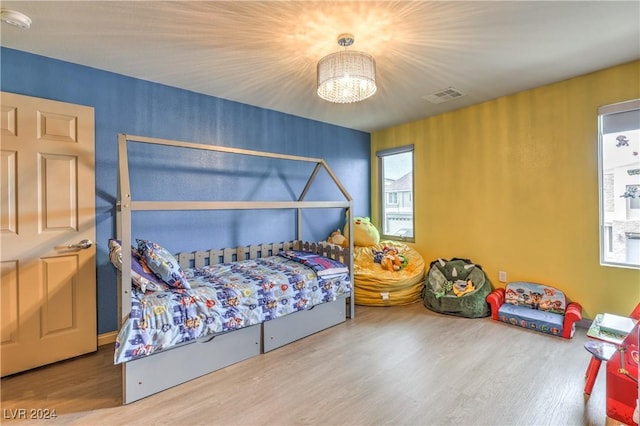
(222, 304)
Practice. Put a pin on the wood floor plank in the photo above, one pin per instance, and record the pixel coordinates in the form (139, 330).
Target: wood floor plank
(400, 365)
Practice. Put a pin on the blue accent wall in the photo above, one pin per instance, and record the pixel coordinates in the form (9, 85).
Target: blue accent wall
(137, 107)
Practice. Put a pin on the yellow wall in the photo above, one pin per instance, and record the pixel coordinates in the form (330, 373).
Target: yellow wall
(512, 184)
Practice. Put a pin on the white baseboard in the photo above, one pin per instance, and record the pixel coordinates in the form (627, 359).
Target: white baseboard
(110, 337)
(107, 338)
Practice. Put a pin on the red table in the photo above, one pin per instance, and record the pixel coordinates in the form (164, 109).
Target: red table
(622, 379)
(603, 347)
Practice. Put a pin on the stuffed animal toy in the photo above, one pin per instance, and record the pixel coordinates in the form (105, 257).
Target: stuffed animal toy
(391, 262)
(389, 259)
(364, 233)
(462, 287)
(338, 239)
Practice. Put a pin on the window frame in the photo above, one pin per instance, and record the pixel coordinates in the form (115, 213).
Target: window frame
(605, 231)
(382, 194)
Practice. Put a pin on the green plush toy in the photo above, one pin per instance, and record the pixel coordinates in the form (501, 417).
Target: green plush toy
(364, 233)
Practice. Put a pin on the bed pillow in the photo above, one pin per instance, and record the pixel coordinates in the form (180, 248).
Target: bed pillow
(163, 264)
(141, 276)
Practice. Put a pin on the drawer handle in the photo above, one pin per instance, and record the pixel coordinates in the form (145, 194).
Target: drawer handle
(207, 340)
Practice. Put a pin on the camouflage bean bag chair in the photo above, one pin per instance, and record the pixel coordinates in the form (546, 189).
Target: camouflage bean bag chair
(457, 287)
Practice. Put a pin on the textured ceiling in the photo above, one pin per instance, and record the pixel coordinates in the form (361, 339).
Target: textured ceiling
(265, 53)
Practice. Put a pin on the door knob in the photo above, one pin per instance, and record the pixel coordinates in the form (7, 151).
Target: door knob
(82, 245)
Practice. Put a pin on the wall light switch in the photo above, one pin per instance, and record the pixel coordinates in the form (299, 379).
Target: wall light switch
(502, 276)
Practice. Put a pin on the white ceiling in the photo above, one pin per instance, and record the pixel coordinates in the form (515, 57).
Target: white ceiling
(264, 53)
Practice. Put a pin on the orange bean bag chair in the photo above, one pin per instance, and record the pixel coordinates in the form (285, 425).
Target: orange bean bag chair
(390, 281)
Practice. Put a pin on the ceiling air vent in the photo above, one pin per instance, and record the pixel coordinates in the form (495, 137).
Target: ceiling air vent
(444, 95)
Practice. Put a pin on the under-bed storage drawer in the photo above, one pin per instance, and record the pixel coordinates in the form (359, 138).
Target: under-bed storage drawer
(146, 376)
(283, 330)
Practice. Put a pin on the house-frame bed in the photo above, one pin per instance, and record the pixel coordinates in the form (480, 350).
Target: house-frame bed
(140, 376)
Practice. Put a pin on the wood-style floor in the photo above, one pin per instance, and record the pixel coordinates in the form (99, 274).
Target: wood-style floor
(393, 366)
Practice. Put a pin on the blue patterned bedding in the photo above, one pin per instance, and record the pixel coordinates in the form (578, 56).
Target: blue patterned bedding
(222, 298)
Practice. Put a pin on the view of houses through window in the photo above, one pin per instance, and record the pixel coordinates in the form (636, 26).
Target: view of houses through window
(396, 172)
(620, 184)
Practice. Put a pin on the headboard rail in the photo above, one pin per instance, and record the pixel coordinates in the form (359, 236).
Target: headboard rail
(201, 258)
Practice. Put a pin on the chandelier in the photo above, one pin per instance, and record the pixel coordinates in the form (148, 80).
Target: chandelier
(346, 76)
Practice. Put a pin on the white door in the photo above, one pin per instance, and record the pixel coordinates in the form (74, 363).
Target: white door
(47, 226)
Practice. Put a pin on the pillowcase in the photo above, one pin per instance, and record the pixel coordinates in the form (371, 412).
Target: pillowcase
(141, 276)
(163, 264)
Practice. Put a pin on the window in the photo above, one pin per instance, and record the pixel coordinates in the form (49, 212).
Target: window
(396, 192)
(619, 183)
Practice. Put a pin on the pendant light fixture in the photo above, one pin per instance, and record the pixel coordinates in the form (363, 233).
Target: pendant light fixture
(346, 76)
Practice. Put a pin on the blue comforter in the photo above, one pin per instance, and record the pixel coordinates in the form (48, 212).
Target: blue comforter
(222, 298)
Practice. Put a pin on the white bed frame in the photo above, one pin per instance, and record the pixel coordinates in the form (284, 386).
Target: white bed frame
(140, 377)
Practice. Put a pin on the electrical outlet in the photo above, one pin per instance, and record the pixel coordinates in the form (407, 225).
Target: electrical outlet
(502, 276)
